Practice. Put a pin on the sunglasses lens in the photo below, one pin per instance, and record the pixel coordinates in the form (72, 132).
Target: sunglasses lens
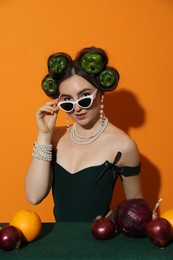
(85, 102)
(67, 106)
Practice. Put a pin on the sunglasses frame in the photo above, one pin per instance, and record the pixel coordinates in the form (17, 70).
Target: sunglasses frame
(76, 102)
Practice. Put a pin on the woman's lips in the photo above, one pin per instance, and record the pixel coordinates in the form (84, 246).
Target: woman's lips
(80, 116)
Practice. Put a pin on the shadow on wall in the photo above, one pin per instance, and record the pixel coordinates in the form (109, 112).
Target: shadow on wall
(124, 111)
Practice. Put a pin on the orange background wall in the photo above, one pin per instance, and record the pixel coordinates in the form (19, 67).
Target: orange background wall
(138, 37)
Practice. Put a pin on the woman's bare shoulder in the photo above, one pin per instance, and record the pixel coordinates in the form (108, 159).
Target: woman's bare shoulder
(118, 133)
(126, 145)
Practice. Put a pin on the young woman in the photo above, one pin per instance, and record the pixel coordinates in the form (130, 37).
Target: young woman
(81, 162)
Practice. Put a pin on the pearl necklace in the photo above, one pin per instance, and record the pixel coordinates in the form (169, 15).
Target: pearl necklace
(79, 139)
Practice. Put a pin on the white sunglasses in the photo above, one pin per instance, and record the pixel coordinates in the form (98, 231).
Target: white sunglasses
(84, 102)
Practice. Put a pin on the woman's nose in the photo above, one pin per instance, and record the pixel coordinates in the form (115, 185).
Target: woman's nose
(77, 108)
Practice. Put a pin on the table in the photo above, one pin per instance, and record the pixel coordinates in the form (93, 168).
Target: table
(75, 241)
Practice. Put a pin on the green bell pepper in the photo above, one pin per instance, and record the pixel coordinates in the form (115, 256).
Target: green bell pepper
(56, 64)
(49, 86)
(108, 78)
(92, 63)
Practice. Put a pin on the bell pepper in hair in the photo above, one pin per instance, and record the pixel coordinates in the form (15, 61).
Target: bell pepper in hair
(57, 63)
(92, 63)
(49, 86)
(108, 78)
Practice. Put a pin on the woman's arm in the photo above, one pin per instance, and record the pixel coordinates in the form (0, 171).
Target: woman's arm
(132, 187)
(38, 179)
(131, 184)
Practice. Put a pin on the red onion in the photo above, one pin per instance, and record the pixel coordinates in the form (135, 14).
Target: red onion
(159, 231)
(10, 238)
(103, 228)
(132, 216)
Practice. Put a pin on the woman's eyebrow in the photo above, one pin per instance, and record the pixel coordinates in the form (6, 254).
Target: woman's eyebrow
(84, 90)
(79, 93)
(64, 95)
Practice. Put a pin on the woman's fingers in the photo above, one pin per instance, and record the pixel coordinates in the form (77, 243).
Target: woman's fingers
(48, 108)
(53, 106)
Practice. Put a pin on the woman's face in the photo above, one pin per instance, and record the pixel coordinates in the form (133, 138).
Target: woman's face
(77, 87)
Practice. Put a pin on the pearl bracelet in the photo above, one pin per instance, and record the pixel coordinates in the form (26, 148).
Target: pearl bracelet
(43, 157)
(43, 147)
(42, 152)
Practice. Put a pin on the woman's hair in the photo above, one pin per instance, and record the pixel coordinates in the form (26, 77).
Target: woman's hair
(84, 61)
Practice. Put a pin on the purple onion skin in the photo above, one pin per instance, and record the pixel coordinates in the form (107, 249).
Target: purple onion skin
(131, 217)
(10, 238)
(159, 231)
(103, 228)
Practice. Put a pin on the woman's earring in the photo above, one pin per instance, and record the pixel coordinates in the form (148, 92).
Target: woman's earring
(101, 109)
(67, 121)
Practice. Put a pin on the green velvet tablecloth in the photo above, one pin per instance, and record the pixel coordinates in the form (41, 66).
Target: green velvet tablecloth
(75, 241)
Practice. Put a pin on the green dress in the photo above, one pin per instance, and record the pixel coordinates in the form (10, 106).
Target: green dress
(88, 193)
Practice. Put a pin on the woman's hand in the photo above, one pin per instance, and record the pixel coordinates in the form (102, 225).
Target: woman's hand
(46, 116)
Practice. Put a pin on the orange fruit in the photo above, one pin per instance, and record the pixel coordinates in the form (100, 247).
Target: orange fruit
(28, 222)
